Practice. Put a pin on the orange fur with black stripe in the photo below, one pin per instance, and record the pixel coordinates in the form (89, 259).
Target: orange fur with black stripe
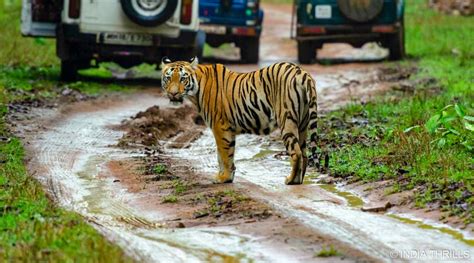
(282, 95)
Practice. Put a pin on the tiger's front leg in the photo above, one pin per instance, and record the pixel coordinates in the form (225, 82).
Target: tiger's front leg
(225, 141)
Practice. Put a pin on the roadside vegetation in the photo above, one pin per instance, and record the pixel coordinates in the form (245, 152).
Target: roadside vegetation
(327, 252)
(32, 228)
(421, 139)
(179, 187)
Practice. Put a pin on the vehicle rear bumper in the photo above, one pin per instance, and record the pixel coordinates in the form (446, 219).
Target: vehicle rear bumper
(345, 32)
(71, 33)
(72, 44)
(226, 31)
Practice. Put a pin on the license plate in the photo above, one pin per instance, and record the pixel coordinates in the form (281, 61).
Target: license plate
(128, 39)
(323, 11)
(219, 30)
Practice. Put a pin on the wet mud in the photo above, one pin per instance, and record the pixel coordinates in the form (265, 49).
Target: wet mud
(156, 126)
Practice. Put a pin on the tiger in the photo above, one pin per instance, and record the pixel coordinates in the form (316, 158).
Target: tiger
(282, 95)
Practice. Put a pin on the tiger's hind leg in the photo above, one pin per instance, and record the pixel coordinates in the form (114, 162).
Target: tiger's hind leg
(302, 142)
(225, 141)
(290, 136)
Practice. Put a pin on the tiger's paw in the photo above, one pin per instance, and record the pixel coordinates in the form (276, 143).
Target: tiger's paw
(295, 180)
(223, 178)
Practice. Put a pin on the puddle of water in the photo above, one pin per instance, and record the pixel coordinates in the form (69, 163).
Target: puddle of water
(356, 202)
(351, 199)
(310, 178)
(263, 154)
(419, 223)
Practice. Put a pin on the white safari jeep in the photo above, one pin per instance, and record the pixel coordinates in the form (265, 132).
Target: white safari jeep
(127, 32)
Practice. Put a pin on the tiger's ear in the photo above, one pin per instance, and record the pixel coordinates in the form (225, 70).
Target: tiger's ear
(164, 61)
(194, 62)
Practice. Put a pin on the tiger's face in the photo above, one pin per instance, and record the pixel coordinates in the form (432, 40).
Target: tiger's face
(178, 78)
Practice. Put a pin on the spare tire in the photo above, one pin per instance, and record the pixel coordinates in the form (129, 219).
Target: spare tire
(149, 13)
(360, 10)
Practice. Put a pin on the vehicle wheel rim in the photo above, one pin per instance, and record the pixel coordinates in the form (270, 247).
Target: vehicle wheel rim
(149, 7)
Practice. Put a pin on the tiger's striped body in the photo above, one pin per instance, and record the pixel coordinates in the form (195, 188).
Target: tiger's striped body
(279, 96)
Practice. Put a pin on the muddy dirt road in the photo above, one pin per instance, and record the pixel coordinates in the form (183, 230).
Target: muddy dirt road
(74, 154)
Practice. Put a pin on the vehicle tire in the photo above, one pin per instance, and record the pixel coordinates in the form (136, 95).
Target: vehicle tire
(68, 70)
(396, 44)
(149, 13)
(360, 10)
(306, 52)
(249, 50)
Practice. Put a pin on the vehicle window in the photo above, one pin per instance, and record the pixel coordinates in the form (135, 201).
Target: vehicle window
(46, 10)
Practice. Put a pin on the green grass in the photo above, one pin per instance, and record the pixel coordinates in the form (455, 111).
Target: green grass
(20, 83)
(160, 169)
(171, 198)
(421, 141)
(216, 203)
(179, 187)
(327, 252)
(233, 195)
(33, 228)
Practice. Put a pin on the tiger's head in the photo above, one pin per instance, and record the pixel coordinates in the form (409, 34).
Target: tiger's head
(178, 78)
